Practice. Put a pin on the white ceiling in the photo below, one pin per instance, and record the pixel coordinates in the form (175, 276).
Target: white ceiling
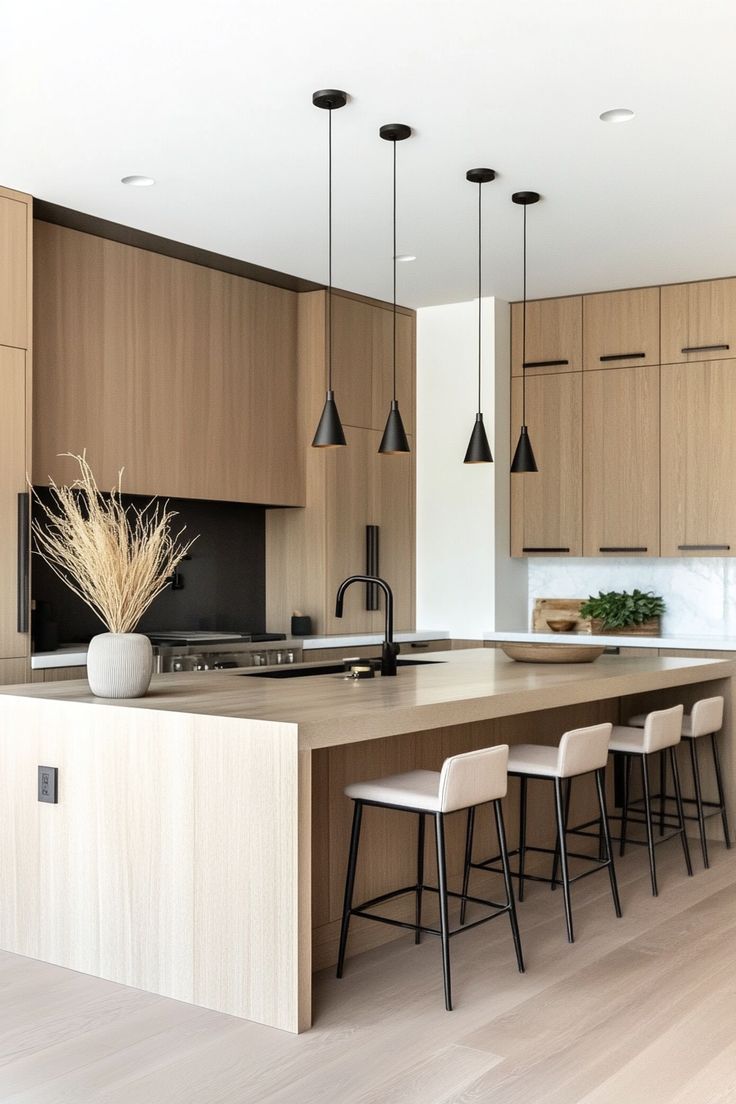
(214, 101)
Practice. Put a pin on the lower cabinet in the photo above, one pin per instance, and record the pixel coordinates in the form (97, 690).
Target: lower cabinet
(698, 459)
(14, 671)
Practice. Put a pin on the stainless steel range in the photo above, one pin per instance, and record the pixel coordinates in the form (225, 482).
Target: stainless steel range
(199, 650)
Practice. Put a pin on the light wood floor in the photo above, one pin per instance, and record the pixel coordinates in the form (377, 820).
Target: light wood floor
(641, 1009)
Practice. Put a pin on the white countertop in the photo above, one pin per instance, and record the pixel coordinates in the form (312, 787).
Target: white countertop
(689, 643)
(75, 655)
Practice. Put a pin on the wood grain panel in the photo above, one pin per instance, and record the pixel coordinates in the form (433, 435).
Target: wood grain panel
(58, 674)
(554, 331)
(13, 458)
(546, 506)
(621, 461)
(698, 458)
(184, 375)
(15, 671)
(621, 322)
(15, 269)
(698, 314)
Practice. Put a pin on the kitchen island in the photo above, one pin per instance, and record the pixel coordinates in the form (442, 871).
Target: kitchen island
(198, 846)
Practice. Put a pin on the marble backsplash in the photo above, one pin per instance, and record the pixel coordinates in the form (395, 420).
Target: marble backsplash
(699, 594)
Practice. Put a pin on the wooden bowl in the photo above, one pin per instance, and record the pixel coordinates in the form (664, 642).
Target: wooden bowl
(557, 625)
(553, 653)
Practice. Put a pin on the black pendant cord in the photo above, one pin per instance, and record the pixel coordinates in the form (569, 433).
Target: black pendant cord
(394, 256)
(480, 287)
(329, 249)
(523, 336)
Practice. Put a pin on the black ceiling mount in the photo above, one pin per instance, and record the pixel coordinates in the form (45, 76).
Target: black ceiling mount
(329, 98)
(480, 176)
(395, 132)
(525, 198)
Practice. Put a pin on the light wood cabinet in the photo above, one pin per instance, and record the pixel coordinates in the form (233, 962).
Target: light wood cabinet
(699, 321)
(554, 336)
(621, 462)
(12, 483)
(621, 328)
(546, 506)
(14, 671)
(698, 459)
(183, 375)
(15, 269)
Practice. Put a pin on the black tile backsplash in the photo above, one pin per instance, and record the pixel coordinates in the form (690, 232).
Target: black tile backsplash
(224, 582)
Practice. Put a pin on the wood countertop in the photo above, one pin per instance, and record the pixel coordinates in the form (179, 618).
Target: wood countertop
(455, 688)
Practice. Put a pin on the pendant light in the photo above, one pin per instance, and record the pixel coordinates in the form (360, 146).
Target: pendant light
(479, 451)
(524, 456)
(329, 430)
(394, 437)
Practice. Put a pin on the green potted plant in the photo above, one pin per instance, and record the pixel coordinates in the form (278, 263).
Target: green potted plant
(638, 613)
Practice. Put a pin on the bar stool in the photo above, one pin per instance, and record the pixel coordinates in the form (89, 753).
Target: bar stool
(580, 751)
(661, 733)
(473, 778)
(706, 719)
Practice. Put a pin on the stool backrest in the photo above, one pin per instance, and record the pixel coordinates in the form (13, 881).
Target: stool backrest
(662, 729)
(583, 749)
(474, 778)
(707, 716)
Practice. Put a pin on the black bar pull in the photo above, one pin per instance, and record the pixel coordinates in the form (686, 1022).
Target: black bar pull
(616, 548)
(704, 348)
(371, 566)
(24, 513)
(544, 363)
(704, 548)
(525, 549)
(622, 356)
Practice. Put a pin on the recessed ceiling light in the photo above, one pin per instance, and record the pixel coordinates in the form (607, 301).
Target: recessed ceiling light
(138, 181)
(616, 115)
(404, 258)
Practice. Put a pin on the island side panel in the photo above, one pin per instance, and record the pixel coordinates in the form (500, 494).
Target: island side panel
(103, 880)
(251, 890)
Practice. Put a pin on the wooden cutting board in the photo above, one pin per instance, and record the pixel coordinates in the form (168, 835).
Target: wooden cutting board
(559, 609)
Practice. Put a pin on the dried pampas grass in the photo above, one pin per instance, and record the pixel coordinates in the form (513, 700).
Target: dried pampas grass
(117, 559)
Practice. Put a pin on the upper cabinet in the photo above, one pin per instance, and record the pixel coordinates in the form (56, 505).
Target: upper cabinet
(699, 321)
(183, 375)
(546, 506)
(15, 269)
(554, 336)
(621, 328)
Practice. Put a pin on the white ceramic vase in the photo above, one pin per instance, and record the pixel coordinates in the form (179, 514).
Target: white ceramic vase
(119, 665)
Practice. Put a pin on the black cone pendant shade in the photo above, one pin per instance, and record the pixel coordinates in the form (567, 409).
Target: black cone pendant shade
(394, 436)
(329, 430)
(524, 460)
(479, 451)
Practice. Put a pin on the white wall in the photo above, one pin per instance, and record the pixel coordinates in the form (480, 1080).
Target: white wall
(465, 579)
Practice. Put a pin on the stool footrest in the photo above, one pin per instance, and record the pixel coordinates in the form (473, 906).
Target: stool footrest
(360, 910)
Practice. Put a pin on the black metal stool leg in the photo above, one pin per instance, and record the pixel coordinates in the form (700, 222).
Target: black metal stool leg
(719, 783)
(556, 859)
(469, 832)
(648, 819)
(563, 858)
(662, 789)
(420, 878)
(444, 918)
(699, 800)
(680, 813)
(349, 885)
(606, 837)
(522, 833)
(625, 805)
(501, 832)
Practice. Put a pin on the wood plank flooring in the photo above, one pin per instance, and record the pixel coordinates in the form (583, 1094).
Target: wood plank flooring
(641, 1009)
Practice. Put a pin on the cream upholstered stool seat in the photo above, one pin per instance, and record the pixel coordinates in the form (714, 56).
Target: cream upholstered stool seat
(581, 751)
(474, 778)
(705, 721)
(660, 733)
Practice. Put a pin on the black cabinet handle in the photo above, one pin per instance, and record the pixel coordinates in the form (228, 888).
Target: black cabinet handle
(544, 363)
(24, 509)
(622, 356)
(525, 549)
(704, 348)
(419, 644)
(616, 548)
(371, 566)
(704, 548)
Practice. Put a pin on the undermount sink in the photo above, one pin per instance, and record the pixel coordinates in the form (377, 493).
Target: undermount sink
(331, 668)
